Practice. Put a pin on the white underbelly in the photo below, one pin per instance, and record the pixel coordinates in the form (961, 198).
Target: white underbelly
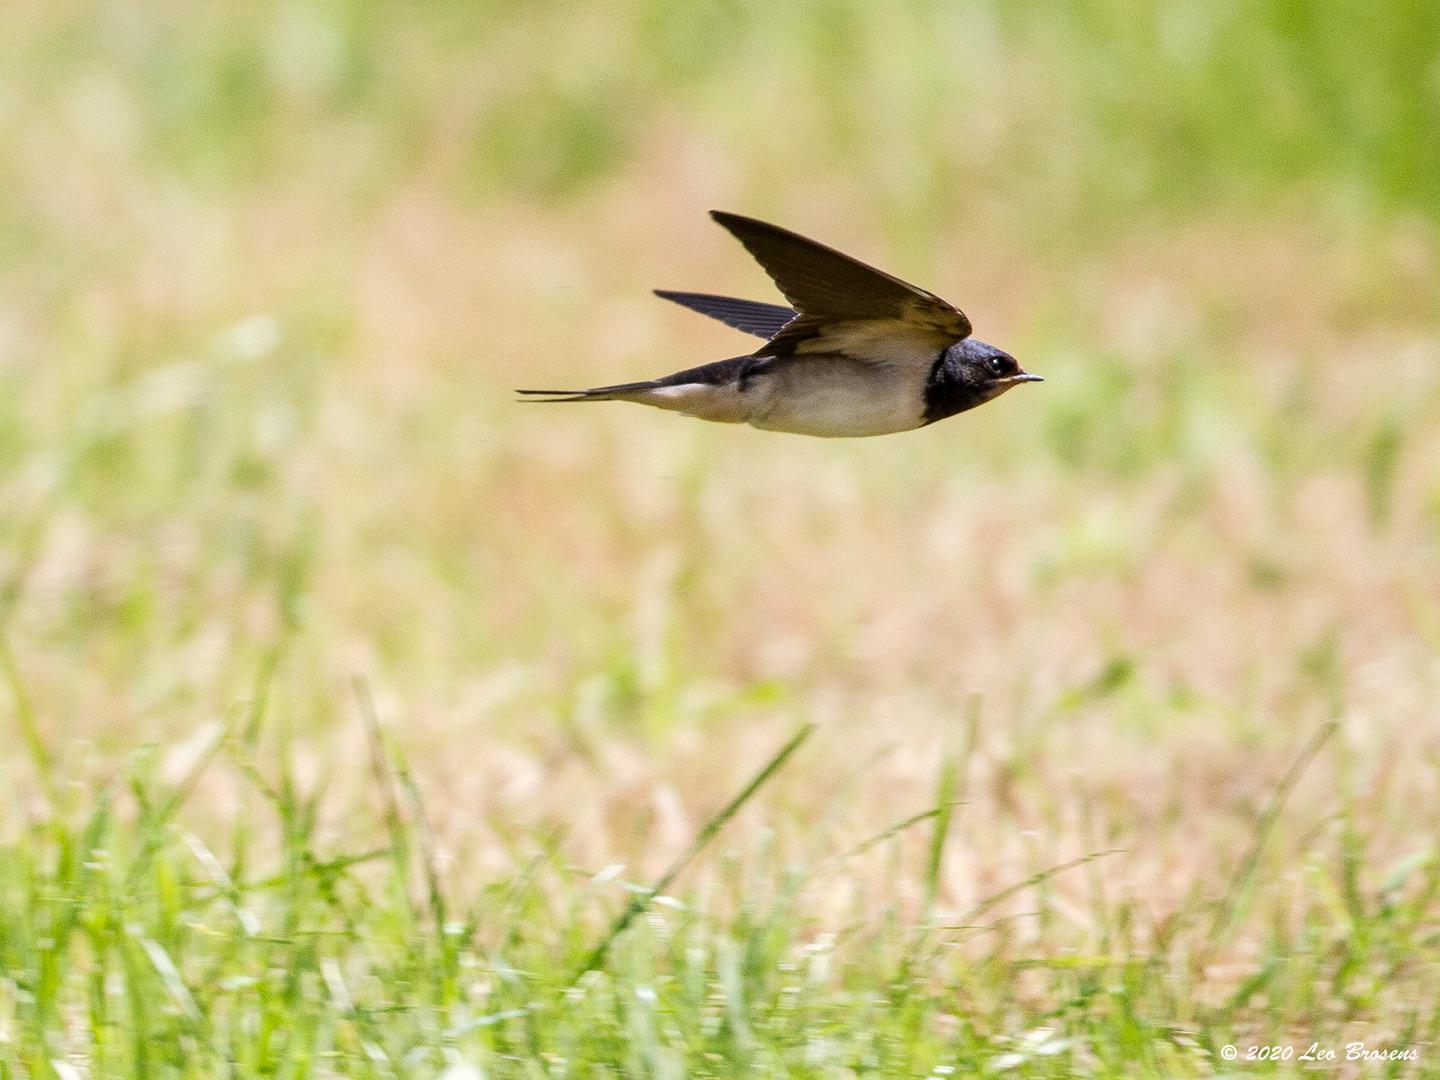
(835, 397)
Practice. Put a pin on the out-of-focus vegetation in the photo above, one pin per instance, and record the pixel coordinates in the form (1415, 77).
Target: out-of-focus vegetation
(1125, 686)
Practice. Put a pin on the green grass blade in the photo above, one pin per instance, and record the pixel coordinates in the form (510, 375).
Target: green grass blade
(703, 838)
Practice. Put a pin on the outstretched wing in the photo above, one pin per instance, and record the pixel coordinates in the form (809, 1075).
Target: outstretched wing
(836, 295)
(762, 320)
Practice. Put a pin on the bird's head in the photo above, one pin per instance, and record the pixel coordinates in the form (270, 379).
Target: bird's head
(985, 371)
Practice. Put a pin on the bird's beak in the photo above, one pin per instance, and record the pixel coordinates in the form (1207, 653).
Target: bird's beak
(1025, 376)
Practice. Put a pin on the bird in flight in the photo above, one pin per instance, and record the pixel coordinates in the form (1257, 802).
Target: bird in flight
(860, 353)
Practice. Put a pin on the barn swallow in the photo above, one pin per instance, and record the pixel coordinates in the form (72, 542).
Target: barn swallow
(860, 353)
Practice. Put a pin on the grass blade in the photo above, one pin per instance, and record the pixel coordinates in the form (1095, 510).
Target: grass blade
(706, 834)
(1230, 902)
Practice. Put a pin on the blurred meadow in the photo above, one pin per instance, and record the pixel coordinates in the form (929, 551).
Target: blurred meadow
(355, 712)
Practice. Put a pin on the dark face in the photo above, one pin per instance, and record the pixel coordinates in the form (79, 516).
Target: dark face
(970, 373)
(984, 369)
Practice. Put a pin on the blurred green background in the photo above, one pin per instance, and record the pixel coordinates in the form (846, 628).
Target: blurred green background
(1070, 115)
(269, 271)
(245, 246)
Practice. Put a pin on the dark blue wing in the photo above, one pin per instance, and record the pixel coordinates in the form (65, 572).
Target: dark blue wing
(762, 320)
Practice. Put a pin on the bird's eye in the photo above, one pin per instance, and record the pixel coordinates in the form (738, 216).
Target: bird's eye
(998, 365)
